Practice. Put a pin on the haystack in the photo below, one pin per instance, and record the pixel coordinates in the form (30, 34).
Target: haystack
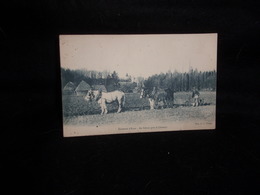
(69, 88)
(82, 88)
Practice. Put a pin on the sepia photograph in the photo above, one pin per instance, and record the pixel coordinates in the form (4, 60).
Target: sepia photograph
(117, 84)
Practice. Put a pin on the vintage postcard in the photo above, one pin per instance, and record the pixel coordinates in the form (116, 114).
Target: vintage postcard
(116, 84)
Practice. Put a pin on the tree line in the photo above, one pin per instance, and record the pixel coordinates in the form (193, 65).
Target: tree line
(176, 81)
(183, 81)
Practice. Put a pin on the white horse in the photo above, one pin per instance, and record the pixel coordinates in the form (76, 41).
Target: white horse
(104, 98)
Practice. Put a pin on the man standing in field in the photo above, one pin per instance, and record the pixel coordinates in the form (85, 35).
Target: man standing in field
(195, 96)
(152, 98)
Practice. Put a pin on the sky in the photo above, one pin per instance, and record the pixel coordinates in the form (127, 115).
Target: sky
(139, 55)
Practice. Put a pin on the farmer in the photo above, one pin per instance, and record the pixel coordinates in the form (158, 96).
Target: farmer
(195, 96)
(152, 98)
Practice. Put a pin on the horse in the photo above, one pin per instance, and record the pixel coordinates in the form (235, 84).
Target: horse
(104, 98)
(169, 97)
(158, 98)
(146, 93)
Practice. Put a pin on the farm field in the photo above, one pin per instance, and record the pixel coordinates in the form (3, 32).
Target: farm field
(83, 118)
(161, 116)
(76, 105)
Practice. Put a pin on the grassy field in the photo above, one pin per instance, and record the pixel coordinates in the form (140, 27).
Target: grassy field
(77, 106)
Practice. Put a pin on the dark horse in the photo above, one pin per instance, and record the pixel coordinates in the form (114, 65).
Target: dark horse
(158, 98)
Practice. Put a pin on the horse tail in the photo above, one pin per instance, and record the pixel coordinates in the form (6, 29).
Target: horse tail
(123, 100)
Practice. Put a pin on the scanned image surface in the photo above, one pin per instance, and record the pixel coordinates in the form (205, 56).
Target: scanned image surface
(116, 84)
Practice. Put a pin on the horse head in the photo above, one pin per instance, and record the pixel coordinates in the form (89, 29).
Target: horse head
(93, 95)
(90, 96)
